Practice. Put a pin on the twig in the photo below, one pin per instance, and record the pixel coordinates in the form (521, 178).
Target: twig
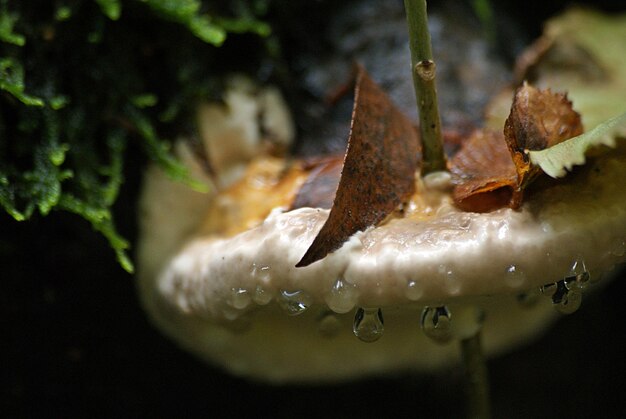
(423, 69)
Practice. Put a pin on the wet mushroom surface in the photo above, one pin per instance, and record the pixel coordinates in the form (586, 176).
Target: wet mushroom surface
(82, 346)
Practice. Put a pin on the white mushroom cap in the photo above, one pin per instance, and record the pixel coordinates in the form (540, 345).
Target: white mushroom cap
(227, 298)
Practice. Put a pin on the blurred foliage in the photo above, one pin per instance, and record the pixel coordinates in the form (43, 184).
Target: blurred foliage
(80, 79)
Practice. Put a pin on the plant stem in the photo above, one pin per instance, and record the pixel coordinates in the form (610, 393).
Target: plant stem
(476, 378)
(423, 69)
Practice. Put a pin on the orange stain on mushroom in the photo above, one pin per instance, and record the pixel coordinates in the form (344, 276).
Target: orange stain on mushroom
(268, 183)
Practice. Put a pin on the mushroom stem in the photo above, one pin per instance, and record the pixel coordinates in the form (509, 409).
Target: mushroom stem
(476, 378)
(423, 70)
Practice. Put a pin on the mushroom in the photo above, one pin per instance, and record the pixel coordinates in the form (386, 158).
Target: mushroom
(225, 285)
(235, 297)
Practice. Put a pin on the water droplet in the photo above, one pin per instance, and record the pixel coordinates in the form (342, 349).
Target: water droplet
(261, 296)
(368, 324)
(439, 181)
(514, 276)
(262, 272)
(578, 275)
(413, 290)
(465, 222)
(240, 298)
(569, 303)
(294, 302)
(329, 324)
(451, 282)
(435, 323)
(342, 297)
(565, 297)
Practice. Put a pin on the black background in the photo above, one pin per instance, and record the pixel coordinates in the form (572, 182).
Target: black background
(75, 343)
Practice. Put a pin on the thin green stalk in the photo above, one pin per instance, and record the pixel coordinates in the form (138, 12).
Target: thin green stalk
(423, 69)
(476, 378)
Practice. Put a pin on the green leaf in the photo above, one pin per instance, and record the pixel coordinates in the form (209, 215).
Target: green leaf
(63, 13)
(111, 8)
(58, 102)
(145, 100)
(57, 154)
(204, 29)
(557, 160)
(159, 151)
(210, 29)
(245, 25)
(180, 10)
(7, 200)
(7, 21)
(101, 221)
(12, 81)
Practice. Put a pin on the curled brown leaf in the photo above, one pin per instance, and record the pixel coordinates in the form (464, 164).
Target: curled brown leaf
(539, 119)
(378, 171)
(483, 173)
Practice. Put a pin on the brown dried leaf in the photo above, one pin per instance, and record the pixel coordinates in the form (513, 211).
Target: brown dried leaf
(539, 119)
(492, 170)
(378, 170)
(318, 191)
(483, 173)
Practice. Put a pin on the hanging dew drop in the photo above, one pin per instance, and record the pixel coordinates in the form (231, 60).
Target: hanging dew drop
(435, 322)
(261, 296)
(566, 296)
(514, 276)
(413, 290)
(240, 298)
(579, 275)
(368, 324)
(451, 281)
(294, 302)
(569, 303)
(342, 297)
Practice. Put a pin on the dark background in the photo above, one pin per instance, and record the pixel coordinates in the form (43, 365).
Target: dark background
(75, 343)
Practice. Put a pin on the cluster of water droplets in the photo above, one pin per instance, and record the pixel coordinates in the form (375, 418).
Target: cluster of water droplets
(566, 294)
(435, 321)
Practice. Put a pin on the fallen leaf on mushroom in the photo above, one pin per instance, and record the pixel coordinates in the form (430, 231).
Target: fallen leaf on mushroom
(378, 170)
(265, 279)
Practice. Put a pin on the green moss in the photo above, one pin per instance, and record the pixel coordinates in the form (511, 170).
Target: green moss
(79, 80)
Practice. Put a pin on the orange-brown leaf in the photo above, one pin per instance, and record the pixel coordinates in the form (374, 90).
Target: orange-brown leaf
(483, 173)
(539, 119)
(378, 171)
(492, 170)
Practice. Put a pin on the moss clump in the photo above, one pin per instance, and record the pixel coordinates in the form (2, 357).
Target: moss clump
(80, 79)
